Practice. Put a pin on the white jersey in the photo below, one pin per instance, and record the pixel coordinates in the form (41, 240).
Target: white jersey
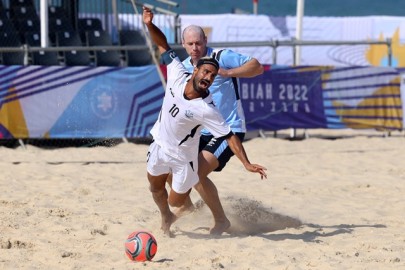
(177, 130)
(225, 90)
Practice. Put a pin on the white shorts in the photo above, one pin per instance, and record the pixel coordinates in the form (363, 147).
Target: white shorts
(185, 175)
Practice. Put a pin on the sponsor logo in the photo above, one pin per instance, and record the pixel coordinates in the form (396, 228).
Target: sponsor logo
(103, 102)
(189, 114)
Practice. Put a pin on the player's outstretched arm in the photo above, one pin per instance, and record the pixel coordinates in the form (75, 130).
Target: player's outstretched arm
(250, 69)
(237, 148)
(155, 33)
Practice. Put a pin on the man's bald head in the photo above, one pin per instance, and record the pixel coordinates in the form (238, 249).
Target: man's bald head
(195, 42)
(193, 29)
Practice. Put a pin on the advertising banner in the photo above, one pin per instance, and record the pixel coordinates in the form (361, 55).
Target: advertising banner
(324, 97)
(78, 102)
(116, 102)
(284, 98)
(363, 98)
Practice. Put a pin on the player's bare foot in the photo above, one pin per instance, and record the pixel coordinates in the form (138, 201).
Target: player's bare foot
(167, 221)
(220, 227)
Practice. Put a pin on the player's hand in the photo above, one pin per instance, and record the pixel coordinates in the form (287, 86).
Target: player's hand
(257, 169)
(147, 15)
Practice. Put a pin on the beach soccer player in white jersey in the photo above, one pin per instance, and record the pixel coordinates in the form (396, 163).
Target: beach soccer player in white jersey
(187, 108)
(214, 152)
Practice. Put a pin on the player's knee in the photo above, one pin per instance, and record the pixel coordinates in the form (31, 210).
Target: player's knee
(155, 189)
(177, 199)
(203, 174)
(157, 183)
(175, 202)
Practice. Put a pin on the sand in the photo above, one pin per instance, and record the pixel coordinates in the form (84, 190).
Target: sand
(331, 202)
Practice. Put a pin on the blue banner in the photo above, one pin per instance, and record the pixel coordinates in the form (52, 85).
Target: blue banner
(284, 98)
(123, 103)
(114, 102)
(78, 102)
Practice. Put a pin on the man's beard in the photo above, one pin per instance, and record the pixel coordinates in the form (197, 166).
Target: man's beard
(196, 87)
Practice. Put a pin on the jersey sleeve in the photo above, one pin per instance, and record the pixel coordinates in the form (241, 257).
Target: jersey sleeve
(168, 56)
(215, 123)
(175, 68)
(230, 59)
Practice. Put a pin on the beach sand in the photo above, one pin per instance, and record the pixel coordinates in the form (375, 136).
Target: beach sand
(335, 200)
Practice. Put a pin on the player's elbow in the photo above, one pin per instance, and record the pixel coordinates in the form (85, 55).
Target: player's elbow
(255, 68)
(259, 68)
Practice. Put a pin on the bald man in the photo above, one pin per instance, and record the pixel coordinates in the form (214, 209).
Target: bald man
(215, 153)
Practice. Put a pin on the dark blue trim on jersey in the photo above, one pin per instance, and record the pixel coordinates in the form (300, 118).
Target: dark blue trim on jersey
(192, 134)
(236, 87)
(234, 79)
(168, 56)
(218, 55)
(192, 165)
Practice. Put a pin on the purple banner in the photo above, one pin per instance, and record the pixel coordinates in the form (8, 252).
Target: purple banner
(283, 98)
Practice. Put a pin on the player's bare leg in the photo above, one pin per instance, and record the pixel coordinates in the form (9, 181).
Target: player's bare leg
(177, 199)
(160, 196)
(207, 162)
(209, 194)
(187, 207)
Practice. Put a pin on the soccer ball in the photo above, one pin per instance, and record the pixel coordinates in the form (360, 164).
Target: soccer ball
(140, 246)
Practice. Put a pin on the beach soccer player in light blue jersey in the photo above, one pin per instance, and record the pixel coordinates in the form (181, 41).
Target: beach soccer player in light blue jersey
(214, 153)
(225, 90)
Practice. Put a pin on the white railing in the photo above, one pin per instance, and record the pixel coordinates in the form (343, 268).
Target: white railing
(273, 44)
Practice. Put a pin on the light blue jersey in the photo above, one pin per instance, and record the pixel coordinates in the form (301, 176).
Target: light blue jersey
(225, 91)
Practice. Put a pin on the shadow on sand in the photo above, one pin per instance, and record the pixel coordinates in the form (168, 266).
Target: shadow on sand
(251, 218)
